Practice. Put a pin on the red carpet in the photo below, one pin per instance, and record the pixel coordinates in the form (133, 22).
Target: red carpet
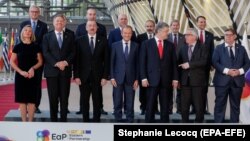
(7, 100)
(7, 97)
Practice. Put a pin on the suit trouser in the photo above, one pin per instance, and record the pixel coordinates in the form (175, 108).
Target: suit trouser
(221, 98)
(101, 94)
(39, 75)
(58, 90)
(196, 95)
(152, 93)
(87, 88)
(119, 92)
(143, 98)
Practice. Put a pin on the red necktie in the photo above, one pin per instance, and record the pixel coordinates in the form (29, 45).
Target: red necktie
(201, 37)
(160, 48)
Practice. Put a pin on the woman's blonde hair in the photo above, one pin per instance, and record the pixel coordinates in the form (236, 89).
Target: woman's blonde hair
(32, 38)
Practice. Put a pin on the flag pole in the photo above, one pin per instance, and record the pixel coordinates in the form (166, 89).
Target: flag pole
(6, 70)
(11, 44)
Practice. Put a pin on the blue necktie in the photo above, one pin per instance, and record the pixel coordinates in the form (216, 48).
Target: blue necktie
(92, 44)
(126, 51)
(34, 27)
(231, 53)
(59, 39)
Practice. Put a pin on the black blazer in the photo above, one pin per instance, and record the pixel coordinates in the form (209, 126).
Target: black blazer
(41, 30)
(81, 30)
(52, 53)
(86, 62)
(142, 37)
(197, 71)
(157, 70)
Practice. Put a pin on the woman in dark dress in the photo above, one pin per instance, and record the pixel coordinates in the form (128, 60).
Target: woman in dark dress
(25, 60)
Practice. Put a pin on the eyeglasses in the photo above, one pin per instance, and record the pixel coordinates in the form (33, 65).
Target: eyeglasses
(229, 35)
(34, 11)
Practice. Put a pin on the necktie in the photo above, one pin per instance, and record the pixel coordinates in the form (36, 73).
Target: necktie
(190, 52)
(150, 36)
(59, 39)
(126, 51)
(201, 37)
(160, 48)
(34, 27)
(231, 53)
(92, 44)
(175, 40)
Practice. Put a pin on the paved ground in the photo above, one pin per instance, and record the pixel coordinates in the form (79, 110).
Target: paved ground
(107, 94)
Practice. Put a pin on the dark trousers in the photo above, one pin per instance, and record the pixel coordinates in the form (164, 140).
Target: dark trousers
(143, 99)
(152, 93)
(119, 92)
(192, 94)
(221, 98)
(91, 86)
(58, 90)
(101, 94)
(39, 75)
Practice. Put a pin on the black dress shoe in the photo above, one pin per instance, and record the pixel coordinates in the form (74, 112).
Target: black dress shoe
(157, 112)
(207, 113)
(38, 111)
(79, 112)
(142, 112)
(104, 112)
(192, 112)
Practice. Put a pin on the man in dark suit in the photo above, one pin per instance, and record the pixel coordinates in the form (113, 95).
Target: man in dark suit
(231, 62)
(40, 29)
(115, 35)
(207, 38)
(150, 29)
(91, 69)
(124, 73)
(193, 63)
(101, 31)
(178, 40)
(91, 16)
(59, 52)
(158, 71)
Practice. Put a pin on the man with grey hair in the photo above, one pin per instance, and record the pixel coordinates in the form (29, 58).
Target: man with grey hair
(192, 62)
(39, 29)
(158, 71)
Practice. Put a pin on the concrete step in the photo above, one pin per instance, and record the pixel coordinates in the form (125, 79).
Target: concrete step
(14, 115)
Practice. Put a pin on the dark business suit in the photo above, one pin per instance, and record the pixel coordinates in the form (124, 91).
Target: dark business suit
(41, 30)
(209, 43)
(125, 73)
(180, 44)
(142, 91)
(160, 74)
(58, 81)
(193, 81)
(226, 85)
(115, 36)
(101, 31)
(91, 68)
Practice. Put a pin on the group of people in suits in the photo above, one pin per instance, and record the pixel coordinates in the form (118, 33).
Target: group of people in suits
(159, 61)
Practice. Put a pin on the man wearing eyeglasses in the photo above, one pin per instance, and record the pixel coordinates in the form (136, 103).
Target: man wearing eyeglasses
(231, 62)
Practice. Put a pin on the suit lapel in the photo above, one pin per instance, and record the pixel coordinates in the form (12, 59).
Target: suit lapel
(155, 47)
(236, 52)
(54, 38)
